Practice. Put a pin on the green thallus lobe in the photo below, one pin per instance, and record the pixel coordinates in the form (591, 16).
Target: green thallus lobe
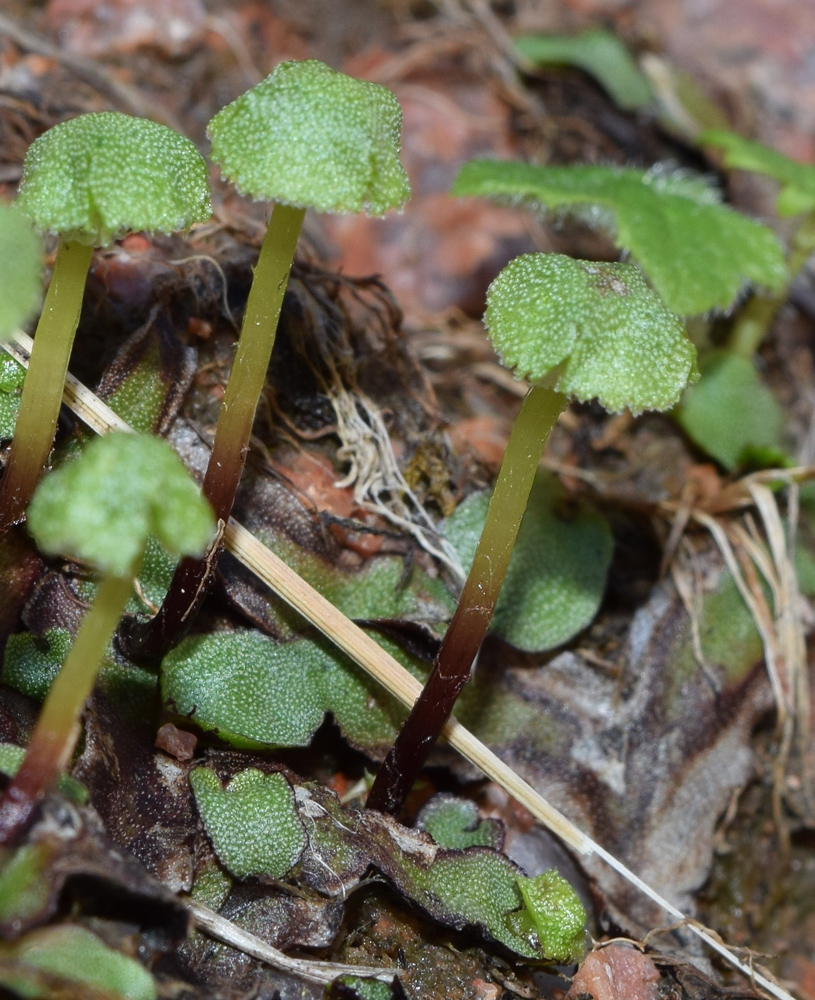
(305, 137)
(89, 181)
(796, 197)
(100, 509)
(575, 329)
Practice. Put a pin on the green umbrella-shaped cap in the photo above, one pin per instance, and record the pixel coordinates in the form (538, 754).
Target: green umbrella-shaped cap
(609, 333)
(97, 177)
(311, 137)
(101, 507)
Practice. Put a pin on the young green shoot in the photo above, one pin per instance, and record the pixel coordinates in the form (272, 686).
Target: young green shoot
(89, 181)
(100, 509)
(796, 197)
(576, 330)
(305, 137)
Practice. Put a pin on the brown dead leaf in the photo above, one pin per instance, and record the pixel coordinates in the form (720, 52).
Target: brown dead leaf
(615, 972)
(78, 858)
(142, 795)
(89, 28)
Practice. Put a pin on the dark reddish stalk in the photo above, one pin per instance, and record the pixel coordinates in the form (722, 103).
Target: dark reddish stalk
(451, 670)
(57, 729)
(192, 577)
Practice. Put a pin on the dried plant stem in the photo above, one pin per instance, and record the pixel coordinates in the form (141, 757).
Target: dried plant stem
(221, 929)
(530, 432)
(57, 729)
(42, 392)
(234, 428)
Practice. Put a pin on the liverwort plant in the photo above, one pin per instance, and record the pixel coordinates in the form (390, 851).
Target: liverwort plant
(100, 509)
(305, 137)
(796, 197)
(575, 329)
(731, 413)
(89, 180)
(697, 252)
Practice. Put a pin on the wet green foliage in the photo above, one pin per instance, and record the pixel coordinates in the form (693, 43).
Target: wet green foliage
(557, 575)
(555, 914)
(797, 179)
(311, 137)
(730, 413)
(96, 177)
(254, 692)
(697, 252)
(51, 960)
(32, 662)
(355, 988)
(12, 377)
(101, 508)
(604, 329)
(379, 589)
(20, 270)
(252, 823)
(24, 888)
(599, 53)
(258, 822)
(456, 824)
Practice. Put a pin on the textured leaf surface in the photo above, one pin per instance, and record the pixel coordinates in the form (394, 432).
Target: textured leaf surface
(473, 888)
(12, 377)
(312, 137)
(557, 915)
(609, 333)
(730, 410)
(101, 507)
(101, 175)
(697, 252)
(557, 574)
(20, 269)
(355, 988)
(77, 956)
(379, 589)
(456, 824)
(599, 53)
(252, 823)
(256, 692)
(797, 179)
(32, 662)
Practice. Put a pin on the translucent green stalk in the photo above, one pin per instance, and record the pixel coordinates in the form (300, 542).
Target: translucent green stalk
(235, 421)
(248, 375)
(576, 329)
(42, 391)
(539, 412)
(305, 137)
(89, 180)
(754, 320)
(57, 730)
